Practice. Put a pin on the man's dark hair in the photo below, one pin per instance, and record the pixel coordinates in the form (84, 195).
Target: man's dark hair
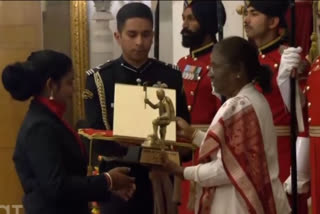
(133, 10)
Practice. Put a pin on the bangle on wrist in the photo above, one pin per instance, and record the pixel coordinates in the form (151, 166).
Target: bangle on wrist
(109, 179)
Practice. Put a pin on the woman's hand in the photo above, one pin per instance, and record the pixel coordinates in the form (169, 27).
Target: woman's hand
(125, 194)
(122, 185)
(170, 166)
(184, 130)
(120, 178)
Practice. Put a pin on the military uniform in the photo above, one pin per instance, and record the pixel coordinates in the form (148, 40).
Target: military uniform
(270, 55)
(99, 101)
(312, 91)
(202, 104)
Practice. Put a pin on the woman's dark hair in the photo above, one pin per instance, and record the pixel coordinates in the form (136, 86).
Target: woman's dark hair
(25, 79)
(239, 52)
(133, 10)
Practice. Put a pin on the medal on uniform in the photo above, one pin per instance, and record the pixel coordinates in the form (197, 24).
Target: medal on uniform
(191, 72)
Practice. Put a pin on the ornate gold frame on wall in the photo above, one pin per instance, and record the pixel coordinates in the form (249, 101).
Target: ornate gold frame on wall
(80, 52)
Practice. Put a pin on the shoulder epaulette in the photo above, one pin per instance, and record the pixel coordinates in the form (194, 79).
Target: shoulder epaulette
(99, 67)
(172, 66)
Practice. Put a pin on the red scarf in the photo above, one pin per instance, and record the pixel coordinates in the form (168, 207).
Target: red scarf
(59, 109)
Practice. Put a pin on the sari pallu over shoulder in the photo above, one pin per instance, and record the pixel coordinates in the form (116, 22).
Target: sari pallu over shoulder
(238, 135)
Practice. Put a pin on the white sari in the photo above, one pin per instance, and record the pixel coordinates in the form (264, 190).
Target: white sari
(238, 170)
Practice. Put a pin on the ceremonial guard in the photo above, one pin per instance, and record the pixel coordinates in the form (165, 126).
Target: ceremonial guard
(312, 91)
(265, 25)
(200, 26)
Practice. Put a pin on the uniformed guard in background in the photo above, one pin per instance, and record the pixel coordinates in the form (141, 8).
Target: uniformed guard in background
(200, 26)
(308, 159)
(135, 36)
(266, 26)
(312, 92)
(199, 29)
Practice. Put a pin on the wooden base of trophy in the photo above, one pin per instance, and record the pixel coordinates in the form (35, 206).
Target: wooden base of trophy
(153, 156)
(152, 150)
(138, 151)
(149, 155)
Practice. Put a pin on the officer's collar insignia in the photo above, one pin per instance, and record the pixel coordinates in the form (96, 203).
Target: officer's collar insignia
(202, 50)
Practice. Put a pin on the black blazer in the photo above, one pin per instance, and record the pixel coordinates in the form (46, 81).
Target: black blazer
(51, 167)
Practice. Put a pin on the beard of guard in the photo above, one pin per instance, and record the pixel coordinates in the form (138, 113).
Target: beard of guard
(192, 39)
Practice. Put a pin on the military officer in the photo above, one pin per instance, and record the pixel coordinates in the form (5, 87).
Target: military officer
(135, 36)
(200, 25)
(199, 29)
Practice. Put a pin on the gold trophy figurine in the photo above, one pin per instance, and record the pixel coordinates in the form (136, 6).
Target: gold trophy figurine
(166, 116)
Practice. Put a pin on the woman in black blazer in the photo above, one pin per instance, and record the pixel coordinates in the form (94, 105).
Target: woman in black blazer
(49, 157)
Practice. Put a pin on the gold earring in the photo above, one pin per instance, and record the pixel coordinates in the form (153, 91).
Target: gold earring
(51, 96)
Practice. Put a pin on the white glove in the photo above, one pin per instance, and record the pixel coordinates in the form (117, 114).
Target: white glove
(303, 167)
(290, 59)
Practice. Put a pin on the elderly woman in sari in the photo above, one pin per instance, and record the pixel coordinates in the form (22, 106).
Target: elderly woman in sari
(237, 170)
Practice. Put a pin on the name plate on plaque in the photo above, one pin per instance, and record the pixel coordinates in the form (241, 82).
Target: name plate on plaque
(153, 156)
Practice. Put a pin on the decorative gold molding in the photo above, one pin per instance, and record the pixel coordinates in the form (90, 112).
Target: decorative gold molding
(79, 51)
(241, 11)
